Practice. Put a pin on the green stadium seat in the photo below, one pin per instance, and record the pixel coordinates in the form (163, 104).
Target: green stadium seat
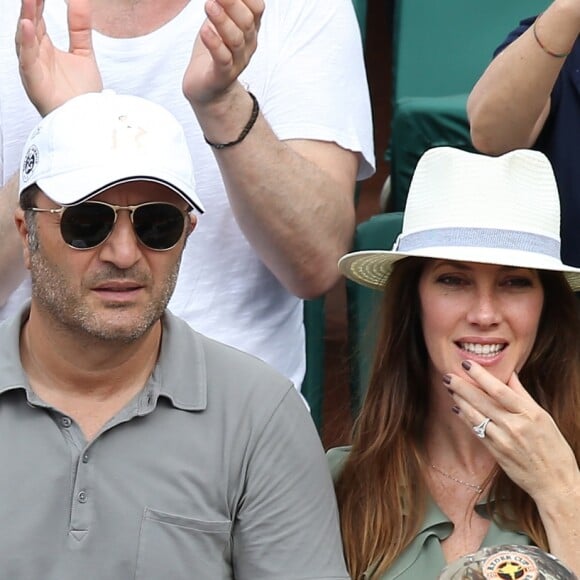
(440, 49)
(377, 233)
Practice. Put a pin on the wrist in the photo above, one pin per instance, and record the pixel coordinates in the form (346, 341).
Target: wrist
(224, 116)
(245, 130)
(556, 502)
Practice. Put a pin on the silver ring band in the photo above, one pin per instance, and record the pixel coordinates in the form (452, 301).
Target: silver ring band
(479, 430)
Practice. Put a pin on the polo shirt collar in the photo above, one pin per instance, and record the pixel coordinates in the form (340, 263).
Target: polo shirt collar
(12, 375)
(179, 375)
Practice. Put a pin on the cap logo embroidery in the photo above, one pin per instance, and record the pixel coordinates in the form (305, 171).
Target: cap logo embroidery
(510, 566)
(125, 134)
(29, 163)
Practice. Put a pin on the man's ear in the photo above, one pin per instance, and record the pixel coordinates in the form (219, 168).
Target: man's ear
(20, 221)
(192, 223)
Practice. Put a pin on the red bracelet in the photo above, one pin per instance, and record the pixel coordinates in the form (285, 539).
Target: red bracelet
(543, 46)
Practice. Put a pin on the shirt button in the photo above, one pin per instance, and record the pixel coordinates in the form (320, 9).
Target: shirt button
(86, 458)
(66, 422)
(82, 496)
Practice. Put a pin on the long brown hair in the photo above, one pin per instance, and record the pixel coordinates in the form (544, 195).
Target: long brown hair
(381, 491)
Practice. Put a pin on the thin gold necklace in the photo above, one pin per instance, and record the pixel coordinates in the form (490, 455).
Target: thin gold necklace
(473, 486)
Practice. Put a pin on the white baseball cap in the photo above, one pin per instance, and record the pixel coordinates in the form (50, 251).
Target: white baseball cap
(98, 140)
(469, 207)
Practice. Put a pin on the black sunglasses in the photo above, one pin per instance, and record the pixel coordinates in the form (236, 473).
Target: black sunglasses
(158, 225)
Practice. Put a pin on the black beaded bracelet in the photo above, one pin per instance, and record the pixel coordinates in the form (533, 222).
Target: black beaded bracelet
(245, 130)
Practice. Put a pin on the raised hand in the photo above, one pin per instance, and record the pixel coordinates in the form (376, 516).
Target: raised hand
(521, 435)
(223, 48)
(51, 76)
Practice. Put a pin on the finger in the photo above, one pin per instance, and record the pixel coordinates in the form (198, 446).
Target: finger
(39, 23)
(27, 10)
(473, 416)
(230, 34)
(79, 24)
(515, 384)
(27, 13)
(32, 10)
(503, 395)
(465, 392)
(234, 23)
(27, 48)
(246, 14)
(220, 53)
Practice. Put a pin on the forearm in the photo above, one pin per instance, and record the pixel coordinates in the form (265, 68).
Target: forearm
(560, 515)
(12, 269)
(293, 200)
(509, 104)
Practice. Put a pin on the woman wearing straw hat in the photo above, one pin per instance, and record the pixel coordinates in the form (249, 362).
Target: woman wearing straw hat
(469, 435)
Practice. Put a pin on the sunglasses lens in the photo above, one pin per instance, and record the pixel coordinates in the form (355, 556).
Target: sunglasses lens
(86, 225)
(159, 226)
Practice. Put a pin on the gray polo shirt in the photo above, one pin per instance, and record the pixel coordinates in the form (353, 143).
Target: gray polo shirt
(215, 471)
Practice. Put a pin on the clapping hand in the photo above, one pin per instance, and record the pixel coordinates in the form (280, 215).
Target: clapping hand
(51, 76)
(223, 48)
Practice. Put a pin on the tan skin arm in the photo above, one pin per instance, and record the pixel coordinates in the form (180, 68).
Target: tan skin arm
(293, 200)
(509, 105)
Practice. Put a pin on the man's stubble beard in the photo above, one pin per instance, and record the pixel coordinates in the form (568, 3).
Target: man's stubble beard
(53, 293)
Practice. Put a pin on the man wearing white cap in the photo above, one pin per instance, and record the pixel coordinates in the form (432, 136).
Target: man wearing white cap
(131, 446)
(279, 195)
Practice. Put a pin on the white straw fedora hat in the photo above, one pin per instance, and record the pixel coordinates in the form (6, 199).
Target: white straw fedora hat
(475, 208)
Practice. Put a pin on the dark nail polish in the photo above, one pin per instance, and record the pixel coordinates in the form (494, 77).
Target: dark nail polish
(451, 392)
(447, 379)
(455, 409)
(466, 364)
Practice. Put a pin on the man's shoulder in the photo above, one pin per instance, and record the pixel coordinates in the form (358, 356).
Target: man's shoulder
(224, 368)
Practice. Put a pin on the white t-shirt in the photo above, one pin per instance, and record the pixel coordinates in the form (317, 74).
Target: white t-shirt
(308, 75)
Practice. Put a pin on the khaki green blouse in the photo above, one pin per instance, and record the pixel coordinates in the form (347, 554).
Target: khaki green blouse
(423, 559)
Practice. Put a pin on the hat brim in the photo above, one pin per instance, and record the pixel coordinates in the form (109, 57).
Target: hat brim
(372, 268)
(74, 187)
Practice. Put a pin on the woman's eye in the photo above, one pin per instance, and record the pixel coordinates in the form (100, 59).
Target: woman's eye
(518, 282)
(451, 280)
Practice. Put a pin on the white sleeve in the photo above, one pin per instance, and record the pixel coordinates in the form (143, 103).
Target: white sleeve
(317, 86)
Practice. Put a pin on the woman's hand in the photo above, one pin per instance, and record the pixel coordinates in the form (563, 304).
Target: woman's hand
(50, 76)
(522, 436)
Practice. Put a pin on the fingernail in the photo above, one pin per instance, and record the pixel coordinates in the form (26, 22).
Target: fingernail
(451, 392)
(455, 409)
(466, 364)
(213, 8)
(447, 379)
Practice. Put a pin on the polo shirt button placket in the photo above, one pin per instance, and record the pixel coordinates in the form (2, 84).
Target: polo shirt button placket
(66, 422)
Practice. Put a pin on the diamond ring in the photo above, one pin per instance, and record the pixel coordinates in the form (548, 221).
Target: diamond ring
(479, 430)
